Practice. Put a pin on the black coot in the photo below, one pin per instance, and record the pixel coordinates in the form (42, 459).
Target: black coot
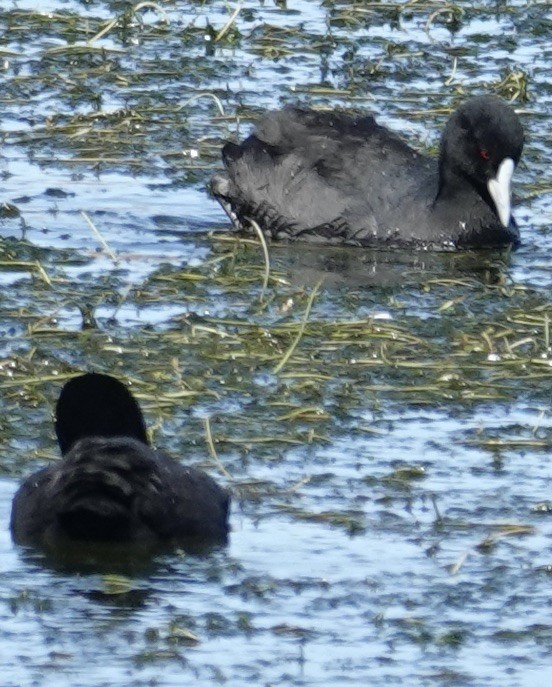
(110, 485)
(331, 178)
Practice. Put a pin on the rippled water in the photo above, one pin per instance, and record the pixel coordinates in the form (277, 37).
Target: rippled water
(391, 516)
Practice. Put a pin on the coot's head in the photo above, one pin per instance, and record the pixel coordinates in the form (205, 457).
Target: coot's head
(97, 405)
(482, 143)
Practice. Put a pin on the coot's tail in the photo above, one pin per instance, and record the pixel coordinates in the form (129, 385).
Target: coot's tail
(221, 188)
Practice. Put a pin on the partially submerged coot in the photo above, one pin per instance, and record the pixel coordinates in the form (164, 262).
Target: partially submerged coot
(331, 178)
(110, 485)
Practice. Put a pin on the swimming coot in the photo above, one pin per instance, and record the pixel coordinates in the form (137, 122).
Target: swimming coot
(110, 485)
(331, 178)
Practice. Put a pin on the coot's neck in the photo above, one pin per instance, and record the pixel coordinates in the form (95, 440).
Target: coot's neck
(459, 190)
(466, 209)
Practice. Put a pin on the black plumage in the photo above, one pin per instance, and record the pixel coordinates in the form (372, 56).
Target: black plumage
(330, 178)
(110, 484)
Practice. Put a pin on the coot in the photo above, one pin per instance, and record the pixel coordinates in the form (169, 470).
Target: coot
(110, 485)
(331, 178)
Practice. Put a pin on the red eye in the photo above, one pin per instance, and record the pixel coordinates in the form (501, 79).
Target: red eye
(484, 153)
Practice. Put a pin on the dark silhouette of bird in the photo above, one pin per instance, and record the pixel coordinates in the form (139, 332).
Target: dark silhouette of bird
(110, 484)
